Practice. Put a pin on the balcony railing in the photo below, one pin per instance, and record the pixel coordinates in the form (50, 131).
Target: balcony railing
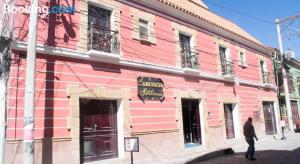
(189, 59)
(227, 68)
(104, 40)
(266, 77)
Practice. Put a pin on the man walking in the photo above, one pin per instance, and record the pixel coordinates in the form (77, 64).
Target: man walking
(249, 134)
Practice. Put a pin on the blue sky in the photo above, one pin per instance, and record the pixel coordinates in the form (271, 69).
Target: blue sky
(258, 16)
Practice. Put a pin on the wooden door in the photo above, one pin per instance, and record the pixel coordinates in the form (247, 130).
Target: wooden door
(295, 113)
(269, 115)
(98, 130)
(229, 124)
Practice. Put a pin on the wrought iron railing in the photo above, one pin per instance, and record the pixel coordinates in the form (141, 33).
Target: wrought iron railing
(189, 59)
(102, 39)
(266, 77)
(227, 68)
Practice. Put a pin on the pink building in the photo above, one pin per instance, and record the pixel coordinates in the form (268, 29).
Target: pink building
(170, 72)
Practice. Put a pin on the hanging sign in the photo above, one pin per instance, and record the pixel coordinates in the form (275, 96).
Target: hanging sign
(150, 88)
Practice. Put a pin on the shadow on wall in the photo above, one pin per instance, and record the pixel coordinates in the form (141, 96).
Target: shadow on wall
(58, 19)
(47, 151)
(47, 25)
(263, 157)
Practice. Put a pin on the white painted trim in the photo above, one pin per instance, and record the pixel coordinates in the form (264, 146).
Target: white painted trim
(277, 116)
(202, 122)
(104, 56)
(65, 52)
(120, 124)
(190, 71)
(247, 82)
(236, 121)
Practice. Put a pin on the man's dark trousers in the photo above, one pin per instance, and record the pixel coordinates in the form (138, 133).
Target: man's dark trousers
(251, 149)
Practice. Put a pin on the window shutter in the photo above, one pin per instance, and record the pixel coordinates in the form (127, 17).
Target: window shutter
(152, 36)
(135, 27)
(227, 54)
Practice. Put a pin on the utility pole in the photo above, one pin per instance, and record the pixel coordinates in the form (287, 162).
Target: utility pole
(6, 29)
(28, 138)
(285, 83)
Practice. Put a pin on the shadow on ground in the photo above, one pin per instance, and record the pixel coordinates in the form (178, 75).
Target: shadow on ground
(263, 157)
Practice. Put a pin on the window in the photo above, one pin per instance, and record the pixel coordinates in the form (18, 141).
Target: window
(243, 61)
(290, 83)
(144, 31)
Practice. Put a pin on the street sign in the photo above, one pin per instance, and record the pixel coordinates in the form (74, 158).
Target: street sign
(131, 144)
(282, 123)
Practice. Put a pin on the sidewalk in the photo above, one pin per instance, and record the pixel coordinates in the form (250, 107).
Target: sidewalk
(269, 149)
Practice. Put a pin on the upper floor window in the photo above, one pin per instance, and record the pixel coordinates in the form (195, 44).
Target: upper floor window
(144, 29)
(100, 35)
(242, 57)
(290, 83)
(226, 63)
(189, 59)
(264, 72)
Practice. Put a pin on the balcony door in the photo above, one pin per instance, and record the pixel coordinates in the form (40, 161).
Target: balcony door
(99, 17)
(100, 33)
(226, 64)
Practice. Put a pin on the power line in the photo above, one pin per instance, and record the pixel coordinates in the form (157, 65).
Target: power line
(240, 13)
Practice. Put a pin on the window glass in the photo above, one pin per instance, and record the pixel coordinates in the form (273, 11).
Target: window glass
(143, 29)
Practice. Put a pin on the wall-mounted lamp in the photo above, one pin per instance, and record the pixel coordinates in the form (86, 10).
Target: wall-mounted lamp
(208, 115)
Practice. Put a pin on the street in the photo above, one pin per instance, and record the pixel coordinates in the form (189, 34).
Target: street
(268, 151)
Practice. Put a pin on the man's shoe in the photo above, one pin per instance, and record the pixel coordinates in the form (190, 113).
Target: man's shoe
(246, 156)
(252, 159)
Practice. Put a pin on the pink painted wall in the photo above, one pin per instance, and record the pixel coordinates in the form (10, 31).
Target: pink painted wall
(52, 105)
(54, 74)
(60, 30)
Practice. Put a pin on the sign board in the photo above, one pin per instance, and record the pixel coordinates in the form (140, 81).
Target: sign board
(150, 88)
(282, 123)
(131, 144)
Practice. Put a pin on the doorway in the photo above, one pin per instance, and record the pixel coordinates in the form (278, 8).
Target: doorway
(295, 113)
(269, 115)
(191, 122)
(229, 123)
(98, 130)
